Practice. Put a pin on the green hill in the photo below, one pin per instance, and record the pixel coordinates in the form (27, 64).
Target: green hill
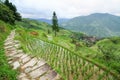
(73, 55)
(70, 40)
(109, 52)
(98, 24)
(66, 48)
(31, 32)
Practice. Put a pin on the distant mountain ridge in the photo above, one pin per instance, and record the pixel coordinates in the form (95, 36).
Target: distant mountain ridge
(98, 24)
(49, 21)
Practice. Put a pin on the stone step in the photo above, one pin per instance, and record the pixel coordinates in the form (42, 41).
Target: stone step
(26, 59)
(30, 63)
(40, 71)
(49, 76)
(8, 43)
(8, 47)
(16, 65)
(21, 75)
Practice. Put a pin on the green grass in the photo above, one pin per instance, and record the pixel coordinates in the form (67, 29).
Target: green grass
(6, 72)
(63, 39)
(60, 58)
(111, 47)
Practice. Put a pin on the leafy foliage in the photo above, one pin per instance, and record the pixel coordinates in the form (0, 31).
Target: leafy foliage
(13, 8)
(8, 12)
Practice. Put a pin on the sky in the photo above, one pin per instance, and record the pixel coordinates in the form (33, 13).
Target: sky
(65, 8)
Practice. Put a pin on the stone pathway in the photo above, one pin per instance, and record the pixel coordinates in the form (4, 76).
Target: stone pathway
(29, 67)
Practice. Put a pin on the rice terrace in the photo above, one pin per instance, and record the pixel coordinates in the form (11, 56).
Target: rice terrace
(59, 40)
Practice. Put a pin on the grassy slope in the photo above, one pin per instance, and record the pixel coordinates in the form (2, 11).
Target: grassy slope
(63, 38)
(111, 47)
(6, 72)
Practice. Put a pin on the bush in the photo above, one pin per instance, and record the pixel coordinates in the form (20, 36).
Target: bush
(6, 14)
(44, 35)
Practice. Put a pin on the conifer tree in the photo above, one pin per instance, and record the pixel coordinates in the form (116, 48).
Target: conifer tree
(55, 24)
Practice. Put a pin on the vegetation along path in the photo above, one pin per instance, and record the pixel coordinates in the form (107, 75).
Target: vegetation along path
(29, 67)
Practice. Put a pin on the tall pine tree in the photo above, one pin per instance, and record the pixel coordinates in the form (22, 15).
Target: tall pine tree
(55, 24)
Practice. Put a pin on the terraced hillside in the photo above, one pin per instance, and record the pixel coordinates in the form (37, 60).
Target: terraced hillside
(67, 63)
(39, 42)
(36, 50)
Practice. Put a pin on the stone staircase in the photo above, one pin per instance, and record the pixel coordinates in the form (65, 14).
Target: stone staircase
(29, 67)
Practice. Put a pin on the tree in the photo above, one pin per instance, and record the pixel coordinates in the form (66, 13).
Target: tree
(6, 14)
(55, 23)
(13, 8)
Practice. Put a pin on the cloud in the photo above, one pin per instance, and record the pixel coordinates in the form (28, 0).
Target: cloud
(65, 8)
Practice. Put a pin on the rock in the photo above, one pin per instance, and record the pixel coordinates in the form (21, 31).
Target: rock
(49, 76)
(24, 78)
(23, 56)
(17, 45)
(16, 65)
(18, 55)
(31, 63)
(19, 51)
(28, 69)
(26, 59)
(39, 63)
(12, 54)
(40, 71)
(21, 75)
(8, 47)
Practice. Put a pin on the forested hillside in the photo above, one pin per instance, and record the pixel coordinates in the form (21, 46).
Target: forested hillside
(98, 24)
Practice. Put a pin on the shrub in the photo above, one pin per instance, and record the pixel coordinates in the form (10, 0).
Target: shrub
(6, 14)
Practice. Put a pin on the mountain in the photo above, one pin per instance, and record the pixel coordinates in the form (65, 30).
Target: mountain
(61, 20)
(49, 21)
(44, 20)
(98, 24)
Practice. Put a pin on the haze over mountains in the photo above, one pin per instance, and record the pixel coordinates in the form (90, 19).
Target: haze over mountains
(49, 21)
(97, 24)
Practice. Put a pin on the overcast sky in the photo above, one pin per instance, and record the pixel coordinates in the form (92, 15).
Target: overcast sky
(65, 8)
